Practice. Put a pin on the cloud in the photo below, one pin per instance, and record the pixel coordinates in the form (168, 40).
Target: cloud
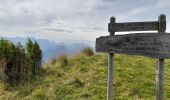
(163, 4)
(58, 30)
(77, 17)
(34, 13)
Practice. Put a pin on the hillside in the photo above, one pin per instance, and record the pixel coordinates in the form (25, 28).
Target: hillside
(85, 78)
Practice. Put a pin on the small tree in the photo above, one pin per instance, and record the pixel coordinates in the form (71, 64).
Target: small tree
(34, 54)
(37, 57)
(30, 51)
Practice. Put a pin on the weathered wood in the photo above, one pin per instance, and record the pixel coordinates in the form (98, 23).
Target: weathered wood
(110, 76)
(160, 66)
(162, 23)
(110, 67)
(134, 26)
(159, 79)
(145, 44)
(112, 22)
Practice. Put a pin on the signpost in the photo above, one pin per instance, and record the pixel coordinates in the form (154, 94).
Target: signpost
(160, 66)
(110, 65)
(145, 44)
(155, 45)
(134, 26)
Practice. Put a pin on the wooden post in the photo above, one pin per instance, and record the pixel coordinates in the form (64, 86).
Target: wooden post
(160, 66)
(110, 76)
(110, 65)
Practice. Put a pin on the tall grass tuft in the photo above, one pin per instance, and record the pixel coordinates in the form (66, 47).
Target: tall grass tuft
(63, 60)
(88, 51)
(77, 83)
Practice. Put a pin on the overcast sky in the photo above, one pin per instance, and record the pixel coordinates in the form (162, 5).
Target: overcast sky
(74, 20)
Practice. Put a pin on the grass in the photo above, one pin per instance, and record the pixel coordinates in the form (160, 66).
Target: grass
(88, 51)
(85, 78)
(63, 60)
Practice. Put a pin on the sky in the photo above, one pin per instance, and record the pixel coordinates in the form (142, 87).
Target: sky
(74, 20)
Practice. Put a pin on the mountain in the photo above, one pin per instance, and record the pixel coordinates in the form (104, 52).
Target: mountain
(52, 49)
(85, 78)
(74, 48)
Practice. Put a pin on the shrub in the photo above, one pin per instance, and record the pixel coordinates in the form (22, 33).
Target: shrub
(63, 60)
(88, 51)
(18, 66)
(15, 64)
(53, 61)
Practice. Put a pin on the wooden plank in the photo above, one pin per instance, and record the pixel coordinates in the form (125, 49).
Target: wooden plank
(145, 44)
(134, 26)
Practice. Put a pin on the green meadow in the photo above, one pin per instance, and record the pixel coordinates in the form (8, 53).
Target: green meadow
(84, 77)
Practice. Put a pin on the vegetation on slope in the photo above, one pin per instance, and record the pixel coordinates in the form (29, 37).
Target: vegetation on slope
(85, 78)
(18, 63)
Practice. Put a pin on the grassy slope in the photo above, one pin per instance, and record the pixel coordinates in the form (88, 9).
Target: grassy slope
(85, 78)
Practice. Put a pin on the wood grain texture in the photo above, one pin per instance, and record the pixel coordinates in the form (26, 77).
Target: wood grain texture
(160, 66)
(155, 45)
(134, 26)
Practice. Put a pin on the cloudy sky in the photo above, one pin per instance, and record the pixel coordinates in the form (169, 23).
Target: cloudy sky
(74, 20)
